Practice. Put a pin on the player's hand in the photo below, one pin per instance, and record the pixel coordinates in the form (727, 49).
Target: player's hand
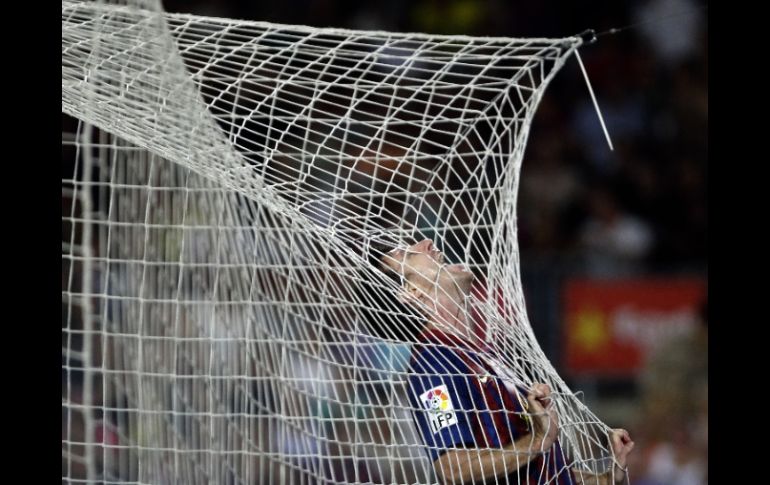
(622, 445)
(544, 419)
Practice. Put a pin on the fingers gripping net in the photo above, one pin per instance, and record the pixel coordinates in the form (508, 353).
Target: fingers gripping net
(227, 181)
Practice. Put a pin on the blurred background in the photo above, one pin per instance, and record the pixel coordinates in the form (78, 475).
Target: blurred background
(613, 243)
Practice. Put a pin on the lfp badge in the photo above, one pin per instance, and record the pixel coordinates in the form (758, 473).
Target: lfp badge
(439, 406)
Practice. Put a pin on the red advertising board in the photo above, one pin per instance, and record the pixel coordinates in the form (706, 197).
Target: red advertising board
(611, 327)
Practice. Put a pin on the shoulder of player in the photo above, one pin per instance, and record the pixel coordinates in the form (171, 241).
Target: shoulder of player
(433, 359)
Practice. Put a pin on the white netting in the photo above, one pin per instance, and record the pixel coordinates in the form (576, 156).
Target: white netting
(221, 320)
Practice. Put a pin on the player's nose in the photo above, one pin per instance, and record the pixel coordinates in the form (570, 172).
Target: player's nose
(424, 245)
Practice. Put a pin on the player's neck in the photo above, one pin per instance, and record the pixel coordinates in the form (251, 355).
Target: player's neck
(452, 313)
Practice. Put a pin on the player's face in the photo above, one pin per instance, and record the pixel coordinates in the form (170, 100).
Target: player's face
(422, 266)
(419, 264)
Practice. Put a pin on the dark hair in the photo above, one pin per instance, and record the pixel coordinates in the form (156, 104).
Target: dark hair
(385, 315)
(376, 251)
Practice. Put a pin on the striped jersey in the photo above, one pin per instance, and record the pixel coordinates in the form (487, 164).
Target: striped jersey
(461, 400)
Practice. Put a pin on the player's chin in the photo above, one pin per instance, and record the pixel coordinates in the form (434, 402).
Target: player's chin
(461, 274)
(459, 270)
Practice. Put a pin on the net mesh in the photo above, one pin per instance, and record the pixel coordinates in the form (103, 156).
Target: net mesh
(224, 182)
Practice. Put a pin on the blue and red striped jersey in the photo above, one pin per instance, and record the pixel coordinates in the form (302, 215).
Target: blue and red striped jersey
(459, 400)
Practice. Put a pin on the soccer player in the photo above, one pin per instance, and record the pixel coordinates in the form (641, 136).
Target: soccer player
(477, 424)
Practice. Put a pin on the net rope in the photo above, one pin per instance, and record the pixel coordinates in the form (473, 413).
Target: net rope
(226, 183)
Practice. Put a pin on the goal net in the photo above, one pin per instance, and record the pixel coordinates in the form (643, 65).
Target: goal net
(224, 183)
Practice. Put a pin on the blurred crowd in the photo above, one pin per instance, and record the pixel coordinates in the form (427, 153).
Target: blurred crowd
(639, 208)
(671, 426)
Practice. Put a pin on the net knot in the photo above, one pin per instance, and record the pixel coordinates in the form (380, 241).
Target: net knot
(588, 36)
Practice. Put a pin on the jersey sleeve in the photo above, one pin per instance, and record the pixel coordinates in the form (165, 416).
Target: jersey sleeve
(442, 401)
